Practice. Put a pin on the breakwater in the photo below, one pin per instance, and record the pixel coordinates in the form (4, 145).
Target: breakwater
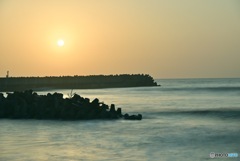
(75, 82)
(30, 105)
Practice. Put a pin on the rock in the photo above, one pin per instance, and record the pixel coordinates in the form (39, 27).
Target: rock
(112, 108)
(139, 117)
(30, 105)
(133, 117)
(95, 101)
(119, 112)
(1, 96)
(76, 97)
(86, 100)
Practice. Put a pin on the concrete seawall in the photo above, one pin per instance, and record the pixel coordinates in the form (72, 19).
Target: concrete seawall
(75, 82)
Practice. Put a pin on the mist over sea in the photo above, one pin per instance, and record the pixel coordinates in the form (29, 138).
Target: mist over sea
(183, 120)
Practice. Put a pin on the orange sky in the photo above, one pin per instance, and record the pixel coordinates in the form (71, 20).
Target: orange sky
(164, 38)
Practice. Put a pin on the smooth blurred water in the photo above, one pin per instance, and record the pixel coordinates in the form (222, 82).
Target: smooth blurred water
(184, 119)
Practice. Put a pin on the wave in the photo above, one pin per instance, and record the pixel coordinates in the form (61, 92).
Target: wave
(211, 89)
(235, 114)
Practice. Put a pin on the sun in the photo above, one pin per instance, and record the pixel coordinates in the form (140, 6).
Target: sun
(60, 42)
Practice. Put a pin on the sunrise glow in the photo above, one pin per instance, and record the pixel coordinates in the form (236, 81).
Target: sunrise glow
(166, 39)
(60, 42)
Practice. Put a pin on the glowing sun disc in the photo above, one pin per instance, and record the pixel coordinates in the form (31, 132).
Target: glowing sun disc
(60, 42)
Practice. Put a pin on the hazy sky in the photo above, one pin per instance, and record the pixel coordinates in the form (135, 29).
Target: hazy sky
(164, 38)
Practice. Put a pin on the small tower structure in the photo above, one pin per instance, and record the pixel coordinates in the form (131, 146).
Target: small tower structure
(7, 76)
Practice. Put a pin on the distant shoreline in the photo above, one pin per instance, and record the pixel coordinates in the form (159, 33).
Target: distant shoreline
(11, 84)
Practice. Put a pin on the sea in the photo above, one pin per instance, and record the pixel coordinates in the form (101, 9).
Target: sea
(183, 120)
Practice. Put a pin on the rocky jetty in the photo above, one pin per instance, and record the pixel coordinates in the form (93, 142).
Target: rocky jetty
(30, 105)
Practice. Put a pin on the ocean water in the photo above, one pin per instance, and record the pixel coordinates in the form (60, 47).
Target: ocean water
(183, 120)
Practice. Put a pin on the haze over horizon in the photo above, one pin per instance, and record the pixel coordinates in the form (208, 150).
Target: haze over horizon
(163, 38)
